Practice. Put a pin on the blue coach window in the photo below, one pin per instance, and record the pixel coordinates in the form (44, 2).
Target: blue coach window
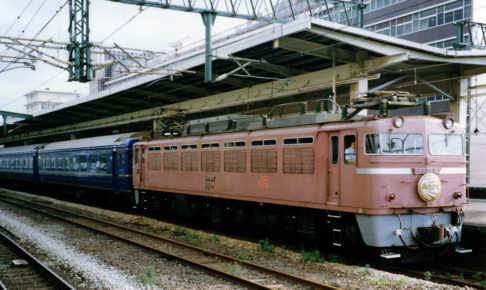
(83, 163)
(74, 163)
(103, 163)
(93, 164)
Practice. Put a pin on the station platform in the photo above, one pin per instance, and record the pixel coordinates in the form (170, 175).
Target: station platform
(475, 217)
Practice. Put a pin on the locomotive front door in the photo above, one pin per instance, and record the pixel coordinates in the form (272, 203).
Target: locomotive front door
(333, 175)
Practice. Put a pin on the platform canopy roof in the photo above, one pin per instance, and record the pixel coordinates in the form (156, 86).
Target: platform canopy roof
(280, 55)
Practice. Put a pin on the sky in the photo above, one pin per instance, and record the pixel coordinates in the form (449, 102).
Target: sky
(153, 29)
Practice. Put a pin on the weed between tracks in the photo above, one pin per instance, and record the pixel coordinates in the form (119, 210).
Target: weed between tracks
(148, 277)
(265, 246)
(236, 269)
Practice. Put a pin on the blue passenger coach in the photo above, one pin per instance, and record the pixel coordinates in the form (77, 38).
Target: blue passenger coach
(101, 163)
(19, 163)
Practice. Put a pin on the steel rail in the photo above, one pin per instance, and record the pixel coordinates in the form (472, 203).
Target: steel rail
(434, 277)
(287, 276)
(51, 274)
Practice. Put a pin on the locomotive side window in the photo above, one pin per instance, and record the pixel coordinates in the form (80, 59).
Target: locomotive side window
(266, 142)
(264, 161)
(391, 143)
(334, 149)
(349, 149)
(210, 146)
(136, 155)
(446, 144)
(372, 143)
(166, 148)
(300, 140)
(189, 147)
(232, 144)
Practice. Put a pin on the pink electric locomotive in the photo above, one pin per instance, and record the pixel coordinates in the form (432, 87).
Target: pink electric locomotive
(395, 183)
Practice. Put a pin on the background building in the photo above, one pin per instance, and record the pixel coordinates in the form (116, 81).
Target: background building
(39, 100)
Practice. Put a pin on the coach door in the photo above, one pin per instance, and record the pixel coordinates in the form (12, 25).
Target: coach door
(137, 166)
(334, 169)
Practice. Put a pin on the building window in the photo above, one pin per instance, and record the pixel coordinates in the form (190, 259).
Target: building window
(439, 15)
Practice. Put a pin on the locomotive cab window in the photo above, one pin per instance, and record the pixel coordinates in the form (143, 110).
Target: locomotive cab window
(349, 149)
(446, 144)
(394, 144)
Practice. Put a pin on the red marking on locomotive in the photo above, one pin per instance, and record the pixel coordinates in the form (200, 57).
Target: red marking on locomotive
(263, 182)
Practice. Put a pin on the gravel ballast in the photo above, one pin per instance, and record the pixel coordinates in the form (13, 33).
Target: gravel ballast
(102, 263)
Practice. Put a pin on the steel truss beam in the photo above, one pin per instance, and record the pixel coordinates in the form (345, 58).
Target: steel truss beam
(259, 10)
(476, 32)
(79, 46)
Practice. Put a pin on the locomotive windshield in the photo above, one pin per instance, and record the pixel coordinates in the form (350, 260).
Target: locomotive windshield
(446, 144)
(391, 143)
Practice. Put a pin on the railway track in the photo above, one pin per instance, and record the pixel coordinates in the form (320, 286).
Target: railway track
(249, 274)
(435, 273)
(21, 270)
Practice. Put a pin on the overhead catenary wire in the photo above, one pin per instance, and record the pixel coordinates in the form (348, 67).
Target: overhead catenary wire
(336, 44)
(18, 17)
(124, 24)
(41, 29)
(36, 13)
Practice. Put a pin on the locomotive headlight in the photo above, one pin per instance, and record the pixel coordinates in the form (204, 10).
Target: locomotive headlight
(448, 123)
(398, 122)
(457, 195)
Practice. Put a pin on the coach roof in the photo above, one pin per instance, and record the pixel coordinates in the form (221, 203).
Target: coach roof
(111, 140)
